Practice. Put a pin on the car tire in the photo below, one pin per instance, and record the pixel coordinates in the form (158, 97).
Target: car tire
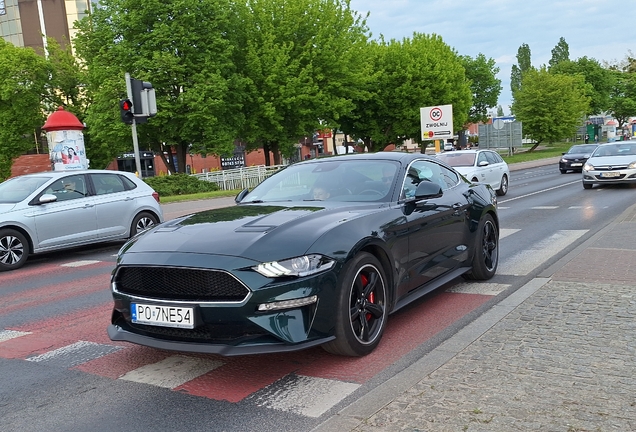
(14, 249)
(563, 171)
(142, 222)
(503, 187)
(362, 307)
(486, 256)
(587, 185)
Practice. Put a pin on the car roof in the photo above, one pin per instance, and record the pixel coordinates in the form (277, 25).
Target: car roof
(57, 174)
(382, 155)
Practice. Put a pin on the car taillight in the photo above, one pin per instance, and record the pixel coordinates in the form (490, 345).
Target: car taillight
(155, 195)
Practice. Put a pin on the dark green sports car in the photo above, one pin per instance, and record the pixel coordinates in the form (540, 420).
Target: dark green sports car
(320, 253)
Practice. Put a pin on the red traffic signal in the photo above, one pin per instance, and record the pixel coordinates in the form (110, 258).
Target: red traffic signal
(125, 110)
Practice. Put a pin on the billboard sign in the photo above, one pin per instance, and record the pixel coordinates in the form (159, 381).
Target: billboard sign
(437, 122)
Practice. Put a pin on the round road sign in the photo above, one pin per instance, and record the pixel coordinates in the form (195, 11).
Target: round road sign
(436, 114)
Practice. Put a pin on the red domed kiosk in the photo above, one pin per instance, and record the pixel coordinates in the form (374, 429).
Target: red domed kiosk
(66, 141)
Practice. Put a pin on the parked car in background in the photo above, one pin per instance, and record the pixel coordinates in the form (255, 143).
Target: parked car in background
(575, 157)
(448, 146)
(612, 163)
(53, 210)
(485, 166)
(319, 253)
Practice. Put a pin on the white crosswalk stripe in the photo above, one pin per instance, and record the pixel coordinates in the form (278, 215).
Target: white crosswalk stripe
(5, 335)
(172, 372)
(524, 262)
(304, 395)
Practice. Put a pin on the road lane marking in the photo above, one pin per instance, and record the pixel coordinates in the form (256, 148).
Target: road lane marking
(5, 335)
(525, 261)
(538, 192)
(80, 263)
(544, 208)
(483, 288)
(505, 232)
(74, 354)
(172, 372)
(304, 395)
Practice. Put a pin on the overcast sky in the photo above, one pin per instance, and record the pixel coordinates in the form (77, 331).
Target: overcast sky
(601, 29)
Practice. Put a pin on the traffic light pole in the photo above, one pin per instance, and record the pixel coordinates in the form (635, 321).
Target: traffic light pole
(134, 129)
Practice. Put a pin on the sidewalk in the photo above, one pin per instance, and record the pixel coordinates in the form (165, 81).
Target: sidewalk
(559, 354)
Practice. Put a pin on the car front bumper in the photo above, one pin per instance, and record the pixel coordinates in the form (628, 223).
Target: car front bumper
(624, 176)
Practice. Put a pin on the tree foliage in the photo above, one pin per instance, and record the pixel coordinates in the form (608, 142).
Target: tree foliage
(484, 85)
(622, 103)
(409, 74)
(304, 64)
(24, 82)
(600, 80)
(186, 49)
(524, 64)
(550, 106)
(560, 53)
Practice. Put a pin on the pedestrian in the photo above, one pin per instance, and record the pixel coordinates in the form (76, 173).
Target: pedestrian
(596, 139)
(587, 138)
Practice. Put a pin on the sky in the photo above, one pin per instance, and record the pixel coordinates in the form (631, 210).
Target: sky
(601, 29)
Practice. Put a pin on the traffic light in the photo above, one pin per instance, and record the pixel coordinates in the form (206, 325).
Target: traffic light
(126, 111)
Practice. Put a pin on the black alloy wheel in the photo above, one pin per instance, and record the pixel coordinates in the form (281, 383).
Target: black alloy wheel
(486, 257)
(14, 249)
(362, 308)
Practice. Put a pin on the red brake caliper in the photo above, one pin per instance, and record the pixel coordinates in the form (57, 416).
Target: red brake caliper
(371, 298)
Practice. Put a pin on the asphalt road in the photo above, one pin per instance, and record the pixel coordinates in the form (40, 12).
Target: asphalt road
(60, 372)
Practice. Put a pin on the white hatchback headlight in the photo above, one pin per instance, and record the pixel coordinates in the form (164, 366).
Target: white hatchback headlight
(588, 167)
(632, 165)
(300, 266)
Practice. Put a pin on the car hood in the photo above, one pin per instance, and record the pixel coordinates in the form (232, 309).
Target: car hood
(612, 160)
(576, 155)
(254, 231)
(6, 208)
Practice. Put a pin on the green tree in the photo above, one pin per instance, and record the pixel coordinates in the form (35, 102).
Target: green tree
(304, 63)
(622, 103)
(187, 50)
(600, 79)
(524, 64)
(550, 106)
(484, 85)
(409, 74)
(24, 79)
(560, 53)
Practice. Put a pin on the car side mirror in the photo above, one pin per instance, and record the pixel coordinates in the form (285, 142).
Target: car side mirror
(47, 198)
(483, 163)
(427, 189)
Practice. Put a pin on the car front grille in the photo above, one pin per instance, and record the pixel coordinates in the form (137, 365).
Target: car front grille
(176, 283)
(610, 167)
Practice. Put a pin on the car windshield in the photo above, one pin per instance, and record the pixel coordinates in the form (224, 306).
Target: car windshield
(353, 180)
(458, 159)
(18, 188)
(582, 148)
(618, 149)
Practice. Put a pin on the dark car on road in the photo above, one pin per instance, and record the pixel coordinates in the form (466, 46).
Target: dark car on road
(575, 157)
(320, 253)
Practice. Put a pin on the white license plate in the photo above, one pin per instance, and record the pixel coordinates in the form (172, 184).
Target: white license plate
(576, 164)
(610, 174)
(165, 316)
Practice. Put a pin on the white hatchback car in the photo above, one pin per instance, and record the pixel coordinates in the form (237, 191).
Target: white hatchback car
(485, 166)
(612, 163)
(53, 210)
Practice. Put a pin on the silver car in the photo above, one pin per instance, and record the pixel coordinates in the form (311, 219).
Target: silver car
(53, 210)
(484, 166)
(612, 163)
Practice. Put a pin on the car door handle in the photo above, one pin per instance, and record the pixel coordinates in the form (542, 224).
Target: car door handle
(128, 198)
(89, 205)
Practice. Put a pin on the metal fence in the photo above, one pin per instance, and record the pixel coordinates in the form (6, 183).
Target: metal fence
(240, 178)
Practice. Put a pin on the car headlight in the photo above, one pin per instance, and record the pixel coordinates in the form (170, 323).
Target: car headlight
(564, 160)
(300, 266)
(588, 167)
(632, 165)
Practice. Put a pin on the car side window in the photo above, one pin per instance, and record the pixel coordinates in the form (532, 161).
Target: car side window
(492, 157)
(68, 188)
(424, 170)
(482, 158)
(108, 183)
